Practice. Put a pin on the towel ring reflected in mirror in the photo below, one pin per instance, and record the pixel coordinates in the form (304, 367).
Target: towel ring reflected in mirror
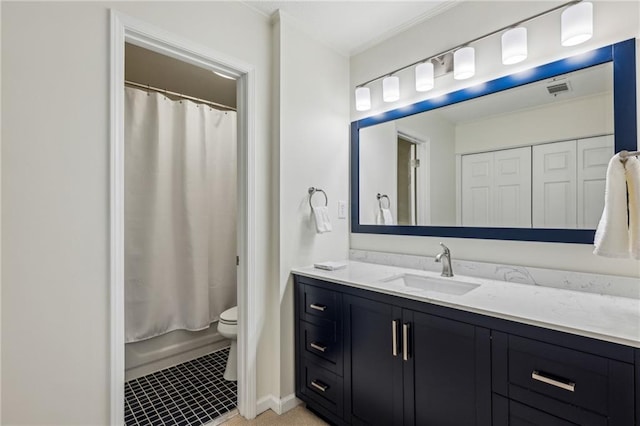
(380, 197)
(312, 191)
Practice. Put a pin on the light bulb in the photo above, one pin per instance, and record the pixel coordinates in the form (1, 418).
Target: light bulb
(514, 46)
(391, 89)
(464, 63)
(363, 99)
(577, 24)
(424, 76)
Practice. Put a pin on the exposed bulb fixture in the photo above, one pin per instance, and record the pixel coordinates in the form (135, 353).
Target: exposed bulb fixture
(424, 76)
(391, 88)
(228, 77)
(464, 63)
(363, 99)
(577, 23)
(514, 46)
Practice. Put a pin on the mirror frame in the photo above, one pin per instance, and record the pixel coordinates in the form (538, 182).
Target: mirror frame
(623, 56)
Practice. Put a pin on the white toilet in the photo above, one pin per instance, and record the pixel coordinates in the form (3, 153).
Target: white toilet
(228, 327)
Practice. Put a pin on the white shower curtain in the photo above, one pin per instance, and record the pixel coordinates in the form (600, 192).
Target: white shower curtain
(180, 214)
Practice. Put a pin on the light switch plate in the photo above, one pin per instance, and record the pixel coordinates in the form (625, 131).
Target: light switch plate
(342, 209)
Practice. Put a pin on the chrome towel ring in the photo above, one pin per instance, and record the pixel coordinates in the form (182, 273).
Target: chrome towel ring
(380, 197)
(312, 191)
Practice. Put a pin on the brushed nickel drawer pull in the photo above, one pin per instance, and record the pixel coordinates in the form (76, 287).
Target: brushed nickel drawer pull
(394, 337)
(570, 386)
(320, 308)
(405, 341)
(320, 386)
(318, 347)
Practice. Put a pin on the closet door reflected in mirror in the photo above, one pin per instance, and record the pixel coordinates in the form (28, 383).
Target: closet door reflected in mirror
(554, 185)
(496, 188)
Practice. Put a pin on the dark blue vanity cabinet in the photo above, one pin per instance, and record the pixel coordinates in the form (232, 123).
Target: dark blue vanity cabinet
(405, 367)
(365, 358)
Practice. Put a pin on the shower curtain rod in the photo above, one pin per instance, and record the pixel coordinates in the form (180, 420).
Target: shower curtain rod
(179, 95)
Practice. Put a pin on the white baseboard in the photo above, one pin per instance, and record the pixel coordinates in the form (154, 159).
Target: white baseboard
(289, 402)
(277, 405)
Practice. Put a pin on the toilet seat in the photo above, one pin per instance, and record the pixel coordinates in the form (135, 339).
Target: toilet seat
(230, 316)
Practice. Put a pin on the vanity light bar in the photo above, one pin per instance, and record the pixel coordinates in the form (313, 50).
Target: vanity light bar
(576, 22)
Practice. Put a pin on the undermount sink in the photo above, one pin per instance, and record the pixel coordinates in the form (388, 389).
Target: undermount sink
(440, 285)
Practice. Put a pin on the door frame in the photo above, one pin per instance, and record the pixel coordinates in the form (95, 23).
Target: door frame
(423, 154)
(127, 29)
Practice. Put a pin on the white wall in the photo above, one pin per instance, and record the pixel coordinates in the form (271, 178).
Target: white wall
(55, 193)
(573, 119)
(313, 151)
(378, 167)
(378, 170)
(613, 21)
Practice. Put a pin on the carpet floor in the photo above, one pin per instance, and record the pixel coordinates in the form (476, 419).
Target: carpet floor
(298, 416)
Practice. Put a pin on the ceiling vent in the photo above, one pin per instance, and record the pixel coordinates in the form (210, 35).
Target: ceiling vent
(559, 87)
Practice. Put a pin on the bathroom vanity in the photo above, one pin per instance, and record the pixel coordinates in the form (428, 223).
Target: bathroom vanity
(384, 345)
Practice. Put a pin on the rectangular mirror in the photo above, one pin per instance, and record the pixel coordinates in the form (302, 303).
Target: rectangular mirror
(523, 158)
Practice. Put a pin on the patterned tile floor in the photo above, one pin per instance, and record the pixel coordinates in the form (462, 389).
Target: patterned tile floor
(193, 393)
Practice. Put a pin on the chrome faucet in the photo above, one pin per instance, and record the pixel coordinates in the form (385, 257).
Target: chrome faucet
(445, 256)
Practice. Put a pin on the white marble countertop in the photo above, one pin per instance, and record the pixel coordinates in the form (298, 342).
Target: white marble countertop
(610, 318)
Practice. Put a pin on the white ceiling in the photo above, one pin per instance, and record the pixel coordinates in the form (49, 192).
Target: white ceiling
(351, 27)
(586, 82)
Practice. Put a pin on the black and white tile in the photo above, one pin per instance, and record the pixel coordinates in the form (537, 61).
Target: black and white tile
(193, 393)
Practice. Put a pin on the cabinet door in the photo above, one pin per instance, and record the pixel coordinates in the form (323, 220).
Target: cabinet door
(373, 374)
(554, 185)
(447, 378)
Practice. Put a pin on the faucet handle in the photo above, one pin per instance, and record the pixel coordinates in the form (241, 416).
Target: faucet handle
(446, 249)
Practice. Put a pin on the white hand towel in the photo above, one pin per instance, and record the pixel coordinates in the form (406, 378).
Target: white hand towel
(387, 218)
(612, 234)
(321, 215)
(632, 173)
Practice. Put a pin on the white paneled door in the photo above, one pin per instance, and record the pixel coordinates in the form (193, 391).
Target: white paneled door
(512, 188)
(593, 158)
(496, 188)
(477, 186)
(554, 185)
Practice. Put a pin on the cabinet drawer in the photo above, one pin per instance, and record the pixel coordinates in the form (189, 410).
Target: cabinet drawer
(542, 375)
(322, 386)
(322, 345)
(511, 413)
(319, 305)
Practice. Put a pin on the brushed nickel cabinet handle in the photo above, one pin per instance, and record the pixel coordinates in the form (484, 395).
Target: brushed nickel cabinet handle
(320, 308)
(568, 385)
(320, 386)
(394, 337)
(318, 347)
(405, 341)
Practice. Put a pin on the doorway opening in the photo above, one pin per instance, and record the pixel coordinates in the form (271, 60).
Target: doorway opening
(130, 35)
(408, 164)
(180, 241)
